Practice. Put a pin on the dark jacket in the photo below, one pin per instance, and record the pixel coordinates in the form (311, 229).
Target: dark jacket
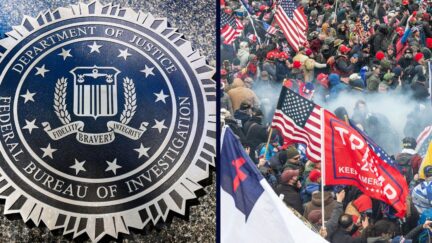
(344, 236)
(343, 66)
(420, 92)
(291, 196)
(336, 86)
(332, 224)
(255, 132)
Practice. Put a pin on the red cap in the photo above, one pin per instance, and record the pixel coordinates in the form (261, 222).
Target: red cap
(262, 7)
(323, 79)
(429, 43)
(405, 2)
(288, 174)
(400, 30)
(426, 16)
(296, 64)
(308, 52)
(228, 10)
(380, 55)
(344, 49)
(418, 56)
(314, 175)
(271, 55)
(283, 55)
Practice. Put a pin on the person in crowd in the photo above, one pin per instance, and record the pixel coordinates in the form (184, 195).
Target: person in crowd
(238, 93)
(385, 230)
(408, 159)
(316, 202)
(422, 193)
(312, 185)
(347, 227)
(289, 186)
(330, 226)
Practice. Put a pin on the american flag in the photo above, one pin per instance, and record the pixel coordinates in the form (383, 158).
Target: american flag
(270, 29)
(299, 120)
(293, 23)
(231, 28)
(423, 141)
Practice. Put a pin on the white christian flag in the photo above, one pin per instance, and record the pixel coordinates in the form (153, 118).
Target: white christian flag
(250, 209)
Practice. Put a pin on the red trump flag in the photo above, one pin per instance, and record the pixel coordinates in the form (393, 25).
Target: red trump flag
(349, 157)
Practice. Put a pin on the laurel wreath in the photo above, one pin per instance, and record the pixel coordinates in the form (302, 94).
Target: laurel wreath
(60, 101)
(130, 101)
(64, 116)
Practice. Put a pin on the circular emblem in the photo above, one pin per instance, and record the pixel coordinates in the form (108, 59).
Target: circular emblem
(107, 120)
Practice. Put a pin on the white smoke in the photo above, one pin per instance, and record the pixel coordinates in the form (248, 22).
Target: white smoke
(394, 106)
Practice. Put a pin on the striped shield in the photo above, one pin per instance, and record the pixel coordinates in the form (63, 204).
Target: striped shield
(95, 91)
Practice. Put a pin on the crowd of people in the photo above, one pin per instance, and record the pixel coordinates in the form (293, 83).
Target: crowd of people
(358, 49)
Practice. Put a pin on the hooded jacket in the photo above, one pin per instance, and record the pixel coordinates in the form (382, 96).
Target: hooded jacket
(239, 93)
(335, 85)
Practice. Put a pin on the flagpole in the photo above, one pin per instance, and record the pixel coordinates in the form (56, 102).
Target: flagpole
(336, 7)
(268, 141)
(430, 77)
(322, 168)
(253, 26)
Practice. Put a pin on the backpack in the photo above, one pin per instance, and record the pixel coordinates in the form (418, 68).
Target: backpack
(404, 162)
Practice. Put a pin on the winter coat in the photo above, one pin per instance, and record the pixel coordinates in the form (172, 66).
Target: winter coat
(243, 56)
(344, 236)
(236, 129)
(255, 132)
(315, 203)
(309, 190)
(309, 74)
(270, 67)
(301, 58)
(420, 92)
(242, 116)
(343, 66)
(332, 223)
(336, 86)
(240, 94)
(282, 71)
(373, 82)
(225, 102)
(291, 196)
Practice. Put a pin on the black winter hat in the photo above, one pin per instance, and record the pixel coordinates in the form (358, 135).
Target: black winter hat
(409, 143)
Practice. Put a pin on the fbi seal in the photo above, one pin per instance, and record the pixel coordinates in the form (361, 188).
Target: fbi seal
(107, 120)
